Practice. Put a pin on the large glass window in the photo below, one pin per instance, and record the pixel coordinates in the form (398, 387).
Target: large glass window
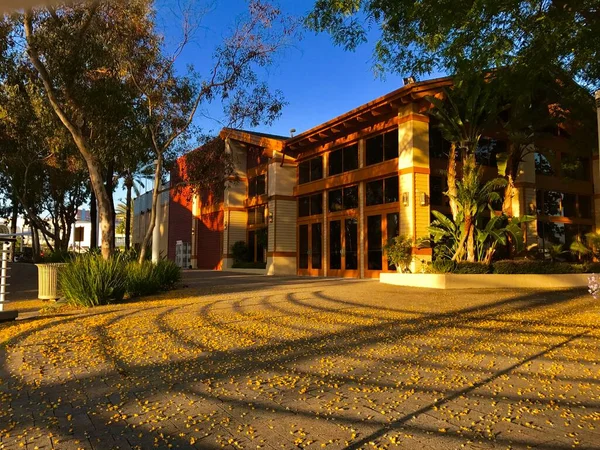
(437, 187)
(585, 206)
(382, 191)
(256, 216)
(310, 170)
(575, 167)
(382, 147)
(257, 186)
(341, 199)
(343, 160)
(374, 241)
(310, 205)
(303, 247)
(438, 146)
(317, 245)
(543, 165)
(487, 149)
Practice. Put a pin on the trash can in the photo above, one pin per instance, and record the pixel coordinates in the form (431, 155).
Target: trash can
(48, 281)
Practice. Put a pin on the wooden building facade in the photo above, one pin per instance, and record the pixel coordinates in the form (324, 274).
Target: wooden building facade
(325, 202)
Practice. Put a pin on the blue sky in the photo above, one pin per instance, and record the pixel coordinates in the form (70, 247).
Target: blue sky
(318, 79)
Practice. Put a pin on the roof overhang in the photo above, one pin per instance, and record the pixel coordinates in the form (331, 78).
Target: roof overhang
(382, 106)
(252, 139)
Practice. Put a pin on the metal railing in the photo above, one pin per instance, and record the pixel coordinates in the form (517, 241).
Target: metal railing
(4, 268)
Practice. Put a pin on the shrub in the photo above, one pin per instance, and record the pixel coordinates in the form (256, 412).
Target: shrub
(168, 274)
(142, 279)
(89, 280)
(240, 252)
(471, 268)
(463, 267)
(399, 252)
(536, 267)
(149, 278)
(58, 256)
(443, 266)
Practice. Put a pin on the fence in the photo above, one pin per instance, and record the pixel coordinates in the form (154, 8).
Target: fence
(6, 251)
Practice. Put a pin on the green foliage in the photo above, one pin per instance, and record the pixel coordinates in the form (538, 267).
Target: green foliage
(89, 280)
(445, 236)
(240, 252)
(588, 247)
(454, 36)
(466, 267)
(535, 267)
(149, 278)
(58, 256)
(168, 274)
(442, 266)
(399, 252)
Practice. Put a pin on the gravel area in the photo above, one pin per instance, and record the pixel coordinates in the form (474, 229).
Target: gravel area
(238, 361)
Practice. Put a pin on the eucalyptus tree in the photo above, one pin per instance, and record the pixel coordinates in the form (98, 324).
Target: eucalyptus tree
(78, 51)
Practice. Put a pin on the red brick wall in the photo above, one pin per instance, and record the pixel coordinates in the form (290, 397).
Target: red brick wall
(180, 210)
(209, 241)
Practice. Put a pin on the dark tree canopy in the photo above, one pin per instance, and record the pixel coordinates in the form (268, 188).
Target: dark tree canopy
(465, 35)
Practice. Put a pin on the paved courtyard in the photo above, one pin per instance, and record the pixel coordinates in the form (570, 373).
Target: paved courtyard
(241, 361)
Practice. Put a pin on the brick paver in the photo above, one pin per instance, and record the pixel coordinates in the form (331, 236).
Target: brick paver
(255, 362)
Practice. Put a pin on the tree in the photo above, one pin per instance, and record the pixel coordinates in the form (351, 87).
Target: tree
(461, 36)
(463, 113)
(78, 52)
(43, 171)
(171, 100)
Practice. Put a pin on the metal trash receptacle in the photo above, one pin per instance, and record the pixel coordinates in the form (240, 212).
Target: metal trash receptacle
(48, 281)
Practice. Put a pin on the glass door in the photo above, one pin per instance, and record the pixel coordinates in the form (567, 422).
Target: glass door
(381, 229)
(310, 249)
(343, 247)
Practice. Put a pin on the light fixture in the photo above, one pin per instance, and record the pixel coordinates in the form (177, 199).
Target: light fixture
(405, 198)
(225, 225)
(270, 217)
(409, 80)
(423, 198)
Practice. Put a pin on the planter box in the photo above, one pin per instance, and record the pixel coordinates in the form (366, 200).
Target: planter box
(486, 281)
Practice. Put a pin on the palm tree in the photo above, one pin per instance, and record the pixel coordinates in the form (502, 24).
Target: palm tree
(463, 113)
(471, 199)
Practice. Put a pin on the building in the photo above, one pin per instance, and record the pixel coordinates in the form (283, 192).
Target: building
(324, 202)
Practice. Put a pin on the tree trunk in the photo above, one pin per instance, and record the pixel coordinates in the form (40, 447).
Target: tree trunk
(471, 244)
(129, 186)
(155, 197)
(94, 220)
(13, 223)
(35, 244)
(460, 250)
(452, 191)
(110, 189)
(93, 165)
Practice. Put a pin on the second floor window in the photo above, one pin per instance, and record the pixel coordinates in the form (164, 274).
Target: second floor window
(310, 170)
(257, 186)
(382, 147)
(343, 160)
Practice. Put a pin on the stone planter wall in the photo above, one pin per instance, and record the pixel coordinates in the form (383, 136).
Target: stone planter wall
(485, 281)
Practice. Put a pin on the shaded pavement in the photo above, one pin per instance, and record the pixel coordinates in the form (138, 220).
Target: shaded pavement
(242, 361)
